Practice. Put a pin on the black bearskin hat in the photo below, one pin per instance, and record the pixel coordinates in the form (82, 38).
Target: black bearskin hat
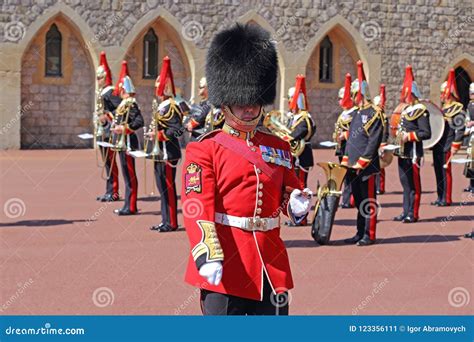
(242, 67)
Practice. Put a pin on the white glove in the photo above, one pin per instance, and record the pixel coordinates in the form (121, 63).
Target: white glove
(212, 271)
(300, 202)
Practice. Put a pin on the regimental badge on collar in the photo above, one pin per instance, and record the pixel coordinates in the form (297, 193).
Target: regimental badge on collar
(193, 178)
(276, 156)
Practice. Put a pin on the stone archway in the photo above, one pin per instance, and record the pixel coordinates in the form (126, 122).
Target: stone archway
(323, 94)
(254, 18)
(464, 68)
(59, 108)
(169, 44)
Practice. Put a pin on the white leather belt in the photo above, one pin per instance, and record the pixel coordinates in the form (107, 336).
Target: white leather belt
(250, 224)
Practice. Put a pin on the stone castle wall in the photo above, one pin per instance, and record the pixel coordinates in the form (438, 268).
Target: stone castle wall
(432, 35)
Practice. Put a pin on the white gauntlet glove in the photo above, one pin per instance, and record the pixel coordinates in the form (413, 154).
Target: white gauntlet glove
(212, 271)
(300, 201)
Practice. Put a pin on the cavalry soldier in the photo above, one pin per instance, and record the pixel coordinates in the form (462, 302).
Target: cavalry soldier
(128, 119)
(106, 105)
(302, 127)
(469, 168)
(166, 129)
(450, 142)
(365, 137)
(414, 127)
(234, 185)
(199, 112)
(341, 134)
(379, 101)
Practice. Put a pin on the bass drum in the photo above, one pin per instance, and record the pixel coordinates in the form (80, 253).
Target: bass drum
(436, 124)
(395, 119)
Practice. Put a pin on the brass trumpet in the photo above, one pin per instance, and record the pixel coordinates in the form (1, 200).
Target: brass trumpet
(273, 121)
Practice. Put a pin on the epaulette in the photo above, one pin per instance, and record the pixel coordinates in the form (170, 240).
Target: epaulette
(452, 109)
(414, 112)
(208, 134)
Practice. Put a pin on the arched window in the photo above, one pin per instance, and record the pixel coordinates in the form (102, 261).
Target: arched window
(53, 52)
(325, 61)
(150, 55)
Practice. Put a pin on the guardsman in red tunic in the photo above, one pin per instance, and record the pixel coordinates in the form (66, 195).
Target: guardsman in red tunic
(236, 181)
(365, 137)
(450, 142)
(414, 128)
(106, 105)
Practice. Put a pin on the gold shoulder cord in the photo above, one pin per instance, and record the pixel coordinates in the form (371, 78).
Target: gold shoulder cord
(165, 118)
(418, 112)
(377, 116)
(452, 109)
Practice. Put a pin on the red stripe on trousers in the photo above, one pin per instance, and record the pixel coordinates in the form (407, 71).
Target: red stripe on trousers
(114, 174)
(382, 180)
(134, 183)
(373, 208)
(449, 179)
(417, 183)
(301, 176)
(171, 195)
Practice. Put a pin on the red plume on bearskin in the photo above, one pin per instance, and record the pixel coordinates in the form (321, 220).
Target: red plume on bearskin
(123, 72)
(105, 65)
(382, 96)
(407, 85)
(300, 87)
(361, 78)
(451, 89)
(346, 101)
(166, 77)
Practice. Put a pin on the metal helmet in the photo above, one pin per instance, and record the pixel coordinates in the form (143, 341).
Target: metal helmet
(127, 85)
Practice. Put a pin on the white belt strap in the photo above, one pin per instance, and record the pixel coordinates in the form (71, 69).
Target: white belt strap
(248, 223)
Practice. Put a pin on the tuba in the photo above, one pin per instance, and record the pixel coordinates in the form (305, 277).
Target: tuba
(327, 201)
(277, 124)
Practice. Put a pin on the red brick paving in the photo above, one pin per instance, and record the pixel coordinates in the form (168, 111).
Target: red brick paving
(65, 245)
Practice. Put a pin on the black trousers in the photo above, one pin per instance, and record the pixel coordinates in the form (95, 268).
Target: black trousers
(363, 189)
(409, 174)
(112, 183)
(130, 179)
(165, 174)
(213, 303)
(444, 179)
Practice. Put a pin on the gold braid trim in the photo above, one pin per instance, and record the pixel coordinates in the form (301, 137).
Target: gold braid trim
(452, 109)
(209, 244)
